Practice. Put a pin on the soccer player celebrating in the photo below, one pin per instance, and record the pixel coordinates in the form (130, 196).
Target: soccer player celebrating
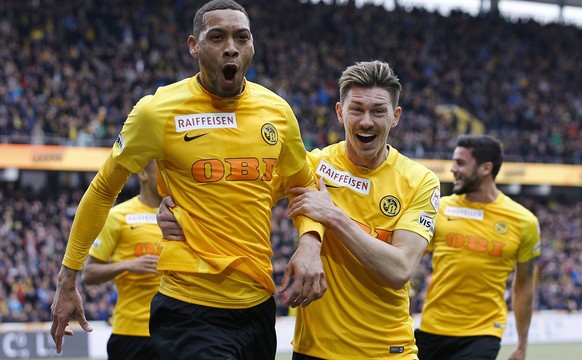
(481, 236)
(217, 139)
(379, 209)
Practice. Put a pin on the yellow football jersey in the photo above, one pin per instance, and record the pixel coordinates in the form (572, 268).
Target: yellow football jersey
(475, 248)
(216, 159)
(359, 318)
(131, 231)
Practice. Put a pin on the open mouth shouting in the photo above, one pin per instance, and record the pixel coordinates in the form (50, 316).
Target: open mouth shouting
(366, 138)
(229, 72)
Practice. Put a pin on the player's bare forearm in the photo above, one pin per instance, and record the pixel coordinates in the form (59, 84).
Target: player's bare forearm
(523, 292)
(379, 257)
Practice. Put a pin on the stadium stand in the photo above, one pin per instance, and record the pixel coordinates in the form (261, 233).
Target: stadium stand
(71, 71)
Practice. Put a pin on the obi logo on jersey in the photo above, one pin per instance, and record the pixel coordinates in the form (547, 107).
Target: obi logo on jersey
(145, 248)
(233, 169)
(380, 234)
(475, 244)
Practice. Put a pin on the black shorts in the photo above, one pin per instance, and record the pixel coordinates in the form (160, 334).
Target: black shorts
(126, 347)
(440, 347)
(298, 356)
(187, 331)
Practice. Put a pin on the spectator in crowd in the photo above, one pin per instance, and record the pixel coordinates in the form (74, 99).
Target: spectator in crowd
(127, 251)
(217, 284)
(481, 236)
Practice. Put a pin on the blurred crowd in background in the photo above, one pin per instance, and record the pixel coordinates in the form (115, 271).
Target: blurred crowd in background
(35, 226)
(70, 72)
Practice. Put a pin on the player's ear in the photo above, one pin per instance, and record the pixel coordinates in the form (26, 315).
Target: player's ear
(486, 168)
(193, 46)
(397, 115)
(339, 112)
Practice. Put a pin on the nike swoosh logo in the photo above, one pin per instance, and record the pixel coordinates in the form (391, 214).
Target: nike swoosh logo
(190, 138)
(452, 219)
(331, 186)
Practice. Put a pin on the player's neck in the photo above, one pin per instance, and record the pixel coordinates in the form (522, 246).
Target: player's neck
(486, 194)
(150, 200)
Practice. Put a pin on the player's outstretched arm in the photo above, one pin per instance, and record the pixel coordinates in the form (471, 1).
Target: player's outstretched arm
(67, 302)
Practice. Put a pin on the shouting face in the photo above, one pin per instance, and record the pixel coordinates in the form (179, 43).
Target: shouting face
(224, 49)
(367, 115)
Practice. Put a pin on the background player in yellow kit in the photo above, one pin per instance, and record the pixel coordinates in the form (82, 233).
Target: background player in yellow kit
(379, 209)
(481, 236)
(218, 139)
(127, 251)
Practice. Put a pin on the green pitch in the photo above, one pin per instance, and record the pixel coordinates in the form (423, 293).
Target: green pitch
(567, 351)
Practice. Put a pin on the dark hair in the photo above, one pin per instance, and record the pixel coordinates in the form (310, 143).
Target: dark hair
(369, 74)
(198, 22)
(484, 148)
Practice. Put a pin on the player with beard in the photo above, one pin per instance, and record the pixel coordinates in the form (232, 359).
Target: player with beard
(481, 236)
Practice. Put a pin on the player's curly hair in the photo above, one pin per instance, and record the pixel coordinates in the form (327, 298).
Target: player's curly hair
(484, 148)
